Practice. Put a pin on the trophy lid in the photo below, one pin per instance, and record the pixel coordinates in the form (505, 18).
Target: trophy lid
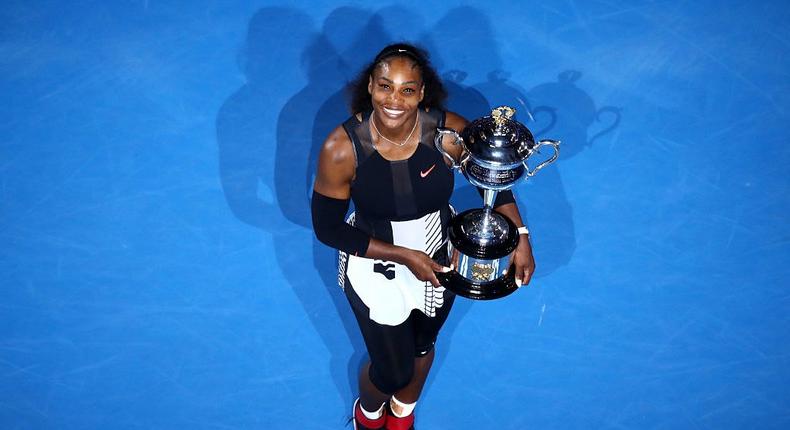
(498, 138)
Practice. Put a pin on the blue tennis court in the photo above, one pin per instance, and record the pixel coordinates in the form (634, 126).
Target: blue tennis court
(159, 268)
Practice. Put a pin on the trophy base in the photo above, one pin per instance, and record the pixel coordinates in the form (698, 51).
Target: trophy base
(481, 243)
(488, 290)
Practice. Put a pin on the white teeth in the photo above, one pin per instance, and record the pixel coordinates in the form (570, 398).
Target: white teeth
(393, 112)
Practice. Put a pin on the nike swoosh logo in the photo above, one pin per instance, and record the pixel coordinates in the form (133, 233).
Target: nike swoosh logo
(425, 173)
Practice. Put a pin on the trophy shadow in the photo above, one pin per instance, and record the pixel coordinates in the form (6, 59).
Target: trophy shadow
(554, 110)
(545, 205)
(565, 112)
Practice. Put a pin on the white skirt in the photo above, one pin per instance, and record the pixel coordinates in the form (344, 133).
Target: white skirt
(389, 289)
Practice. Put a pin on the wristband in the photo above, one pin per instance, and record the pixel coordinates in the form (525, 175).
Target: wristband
(523, 230)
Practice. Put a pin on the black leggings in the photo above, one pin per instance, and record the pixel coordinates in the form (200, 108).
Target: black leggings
(392, 349)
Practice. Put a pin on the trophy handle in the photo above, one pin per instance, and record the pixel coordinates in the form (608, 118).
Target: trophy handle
(440, 132)
(555, 144)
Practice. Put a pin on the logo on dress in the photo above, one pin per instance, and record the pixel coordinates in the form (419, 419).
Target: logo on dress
(385, 268)
(427, 172)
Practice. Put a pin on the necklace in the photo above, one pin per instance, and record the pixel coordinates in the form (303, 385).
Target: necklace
(373, 122)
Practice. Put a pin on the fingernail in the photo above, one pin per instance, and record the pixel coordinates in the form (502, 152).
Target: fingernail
(452, 267)
(518, 282)
(445, 269)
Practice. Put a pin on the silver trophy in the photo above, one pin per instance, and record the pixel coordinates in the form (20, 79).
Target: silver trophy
(496, 149)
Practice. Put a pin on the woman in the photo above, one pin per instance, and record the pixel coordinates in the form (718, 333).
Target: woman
(384, 158)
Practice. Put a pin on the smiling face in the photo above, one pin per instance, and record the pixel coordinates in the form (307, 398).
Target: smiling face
(396, 90)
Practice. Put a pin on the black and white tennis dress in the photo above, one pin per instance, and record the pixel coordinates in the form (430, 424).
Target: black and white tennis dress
(406, 203)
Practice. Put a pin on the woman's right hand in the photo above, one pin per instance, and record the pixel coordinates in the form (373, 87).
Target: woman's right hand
(423, 266)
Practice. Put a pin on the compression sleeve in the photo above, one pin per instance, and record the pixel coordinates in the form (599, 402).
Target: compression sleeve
(502, 197)
(331, 228)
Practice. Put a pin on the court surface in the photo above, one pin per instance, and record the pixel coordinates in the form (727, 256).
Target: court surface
(157, 264)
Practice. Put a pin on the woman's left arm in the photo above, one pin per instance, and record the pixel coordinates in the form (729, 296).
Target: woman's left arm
(522, 260)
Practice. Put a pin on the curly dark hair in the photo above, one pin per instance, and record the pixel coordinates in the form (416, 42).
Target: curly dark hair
(435, 94)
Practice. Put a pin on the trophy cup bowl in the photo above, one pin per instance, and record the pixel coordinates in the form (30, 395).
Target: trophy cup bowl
(481, 241)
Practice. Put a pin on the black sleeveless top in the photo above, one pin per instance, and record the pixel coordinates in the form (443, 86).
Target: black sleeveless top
(405, 203)
(385, 190)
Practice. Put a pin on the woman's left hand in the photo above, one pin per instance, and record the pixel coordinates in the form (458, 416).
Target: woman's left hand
(522, 261)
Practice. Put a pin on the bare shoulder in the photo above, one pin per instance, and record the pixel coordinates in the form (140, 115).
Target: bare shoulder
(336, 165)
(455, 121)
(338, 148)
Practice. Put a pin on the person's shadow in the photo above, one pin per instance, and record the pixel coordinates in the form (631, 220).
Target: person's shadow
(244, 132)
(264, 169)
(349, 37)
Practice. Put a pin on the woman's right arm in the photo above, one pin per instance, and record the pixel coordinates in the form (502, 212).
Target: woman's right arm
(331, 195)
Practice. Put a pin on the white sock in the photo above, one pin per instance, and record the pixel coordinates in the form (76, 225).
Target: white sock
(372, 415)
(400, 409)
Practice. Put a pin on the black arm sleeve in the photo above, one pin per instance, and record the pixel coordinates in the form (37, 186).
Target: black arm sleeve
(331, 228)
(502, 197)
